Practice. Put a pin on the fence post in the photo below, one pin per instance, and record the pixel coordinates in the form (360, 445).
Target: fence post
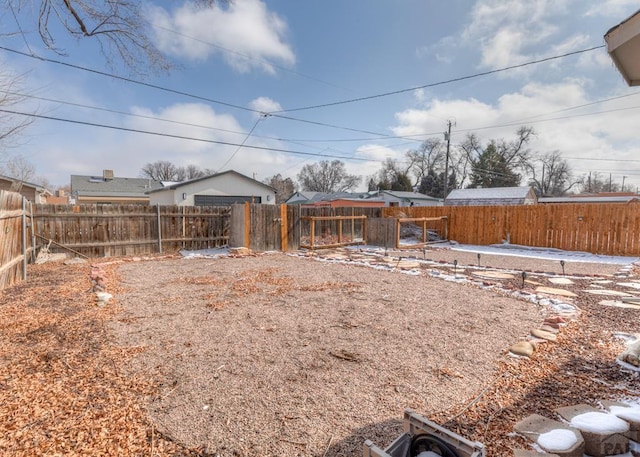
(284, 228)
(159, 229)
(33, 233)
(24, 238)
(247, 225)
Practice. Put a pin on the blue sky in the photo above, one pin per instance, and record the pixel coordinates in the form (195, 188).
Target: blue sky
(285, 54)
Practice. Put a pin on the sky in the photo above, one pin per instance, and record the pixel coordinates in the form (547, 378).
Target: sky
(253, 73)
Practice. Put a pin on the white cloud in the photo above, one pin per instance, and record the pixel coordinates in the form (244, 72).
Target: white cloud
(246, 34)
(596, 130)
(265, 105)
(514, 31)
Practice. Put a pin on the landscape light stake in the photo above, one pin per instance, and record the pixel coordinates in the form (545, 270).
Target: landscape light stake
(478, 259)
(455, 264)
(562, 265)
(524, 276)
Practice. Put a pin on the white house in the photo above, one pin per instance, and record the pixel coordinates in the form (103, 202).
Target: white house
(220, 189)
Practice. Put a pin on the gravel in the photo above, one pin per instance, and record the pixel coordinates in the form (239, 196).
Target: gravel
(284, 355)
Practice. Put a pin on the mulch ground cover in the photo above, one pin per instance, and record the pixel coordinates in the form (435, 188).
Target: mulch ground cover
(63, 390)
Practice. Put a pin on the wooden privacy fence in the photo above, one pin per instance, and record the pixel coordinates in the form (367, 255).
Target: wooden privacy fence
(16, 235)
(115, 230)
(608, 229)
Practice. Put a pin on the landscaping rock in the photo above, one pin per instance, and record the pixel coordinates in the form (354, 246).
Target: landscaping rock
(522, 348)
(561, 281)
(549, 328)
(543, 334)
(629, 413)
(608, 292)
(530, 453)
(632, 354)
(603, 433)
(492, 275)
(535, 426)
(554, 291)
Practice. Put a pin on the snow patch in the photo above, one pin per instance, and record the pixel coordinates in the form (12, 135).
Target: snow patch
(627, 413)
(559, 439)
(601, 423)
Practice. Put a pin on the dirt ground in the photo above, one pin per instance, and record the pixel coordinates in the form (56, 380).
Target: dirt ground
(285, 355)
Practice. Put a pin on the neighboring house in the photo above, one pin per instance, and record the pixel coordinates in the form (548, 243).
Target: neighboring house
(309, 198)
(493, 196)
(346, 202)
(398, 198)
(108, 189)
(219, 189)
(602, 197)
(32, 192)
(301, 197)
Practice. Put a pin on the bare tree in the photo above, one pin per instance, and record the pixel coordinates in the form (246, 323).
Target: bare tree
(554, 178)
(429, 156)
(284, 187)
(10, 95)
(19, 168)
(593, 183)
(326, 176)
(160, 170)
(117, 26)
(189, 172)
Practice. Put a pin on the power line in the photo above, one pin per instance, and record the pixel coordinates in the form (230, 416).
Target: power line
(440, 83)
(241, 144)
(171, 121)
(178, 92)
(180, 137)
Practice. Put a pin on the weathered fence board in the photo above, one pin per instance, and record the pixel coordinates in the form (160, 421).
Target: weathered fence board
(116, 230)
(15, 238)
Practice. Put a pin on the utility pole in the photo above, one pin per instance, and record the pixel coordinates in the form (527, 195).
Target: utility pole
(447, 137)
(623, 178)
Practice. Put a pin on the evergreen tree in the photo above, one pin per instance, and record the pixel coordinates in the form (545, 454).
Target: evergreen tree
(492, 169)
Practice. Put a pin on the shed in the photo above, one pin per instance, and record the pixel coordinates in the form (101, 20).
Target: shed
(219, 189)
(493, 196)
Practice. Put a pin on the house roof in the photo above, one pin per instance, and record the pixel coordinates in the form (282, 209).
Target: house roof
(37, 187)
(174, 186)
(97, 186)
(409, 195)
(623, 45)
(313, 197)
(489, 193)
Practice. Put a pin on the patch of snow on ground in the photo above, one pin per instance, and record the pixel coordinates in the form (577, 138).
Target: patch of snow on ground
(204, 253)
(627, 413)
(545, 253)
(559, 439)
(601, 423)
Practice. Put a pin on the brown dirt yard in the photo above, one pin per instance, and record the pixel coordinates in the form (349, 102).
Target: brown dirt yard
(282, 355)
